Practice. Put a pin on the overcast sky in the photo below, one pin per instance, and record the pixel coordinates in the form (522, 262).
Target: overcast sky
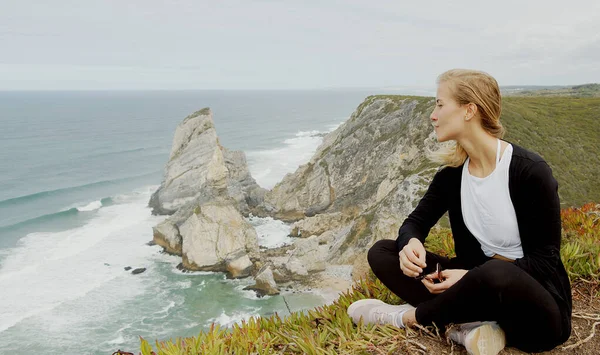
(152, 44)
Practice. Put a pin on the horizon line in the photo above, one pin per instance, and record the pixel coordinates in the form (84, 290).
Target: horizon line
(395, 88)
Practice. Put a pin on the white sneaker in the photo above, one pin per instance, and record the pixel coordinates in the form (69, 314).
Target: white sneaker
(378, 312)
(479, 338)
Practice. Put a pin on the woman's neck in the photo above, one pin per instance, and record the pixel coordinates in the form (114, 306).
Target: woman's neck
(481, 149)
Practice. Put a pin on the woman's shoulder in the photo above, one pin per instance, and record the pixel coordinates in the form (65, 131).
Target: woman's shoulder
(528, 165)
(524, 156)
(449, 171)
(447, 176)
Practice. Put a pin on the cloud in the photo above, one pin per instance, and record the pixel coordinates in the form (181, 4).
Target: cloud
(290, 44)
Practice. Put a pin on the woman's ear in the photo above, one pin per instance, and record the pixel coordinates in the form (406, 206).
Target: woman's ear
(471, 111)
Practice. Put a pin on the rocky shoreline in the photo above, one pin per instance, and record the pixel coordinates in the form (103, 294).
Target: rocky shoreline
(361, 182)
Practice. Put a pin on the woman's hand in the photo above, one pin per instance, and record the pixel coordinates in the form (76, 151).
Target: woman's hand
(412, 258)
(449, 278)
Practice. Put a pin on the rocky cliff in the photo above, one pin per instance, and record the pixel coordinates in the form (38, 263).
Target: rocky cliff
(363, 180)
(361, 162)
(199, 168)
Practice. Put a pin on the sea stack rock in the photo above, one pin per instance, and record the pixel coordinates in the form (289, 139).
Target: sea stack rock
(199, 165)
(207, 190)
(217, 238)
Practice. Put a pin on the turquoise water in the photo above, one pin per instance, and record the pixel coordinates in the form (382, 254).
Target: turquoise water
(76, 173)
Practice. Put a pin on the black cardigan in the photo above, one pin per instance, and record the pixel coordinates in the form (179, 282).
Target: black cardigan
(534, 194)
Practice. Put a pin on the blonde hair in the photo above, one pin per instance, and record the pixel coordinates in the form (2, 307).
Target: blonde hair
(481, 89)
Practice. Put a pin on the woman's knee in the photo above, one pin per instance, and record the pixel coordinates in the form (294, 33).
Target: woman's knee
(496, 274)
(380, 252)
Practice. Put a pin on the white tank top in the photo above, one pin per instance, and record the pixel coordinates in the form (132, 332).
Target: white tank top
(488, 211)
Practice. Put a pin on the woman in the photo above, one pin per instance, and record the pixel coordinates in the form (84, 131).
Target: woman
(507, 283)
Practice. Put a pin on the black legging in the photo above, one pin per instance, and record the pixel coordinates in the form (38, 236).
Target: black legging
(494, 291)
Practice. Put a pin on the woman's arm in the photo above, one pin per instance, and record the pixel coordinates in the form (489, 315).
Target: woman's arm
(541, 215)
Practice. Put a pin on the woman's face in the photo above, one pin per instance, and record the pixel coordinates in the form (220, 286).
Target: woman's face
(448, 117)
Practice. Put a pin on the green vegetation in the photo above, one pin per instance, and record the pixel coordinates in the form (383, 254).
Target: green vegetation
(566, 133)
(580, 250)
(440, 241)
(324, 330)
(395, 102)
(425, 106)
(585, 90)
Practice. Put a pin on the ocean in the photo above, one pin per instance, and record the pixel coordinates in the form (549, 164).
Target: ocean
(76, 172)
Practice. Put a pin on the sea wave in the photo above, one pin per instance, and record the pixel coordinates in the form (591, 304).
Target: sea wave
(107, 201)
(125, 151)
(268, 167)
(71, 211)
(92, 206)
(44, 194)
(42, 219)
(48, 269)
(309, 133)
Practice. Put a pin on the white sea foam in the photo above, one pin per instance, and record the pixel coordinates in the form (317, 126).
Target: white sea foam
(90, 206)
(227, 320)
(179, 272)
(183, 284)
(251, 295)
(136, 195)
(268, 167)
(307, 133)
(333, 127)
(271, 233)
(164, 312)
(201, 285)
(46, 270)
(248, 294)
(118, 340)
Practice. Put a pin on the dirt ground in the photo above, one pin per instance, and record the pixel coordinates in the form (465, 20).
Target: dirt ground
(586, 314)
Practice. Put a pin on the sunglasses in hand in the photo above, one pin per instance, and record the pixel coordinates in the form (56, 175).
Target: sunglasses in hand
(437, 277)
